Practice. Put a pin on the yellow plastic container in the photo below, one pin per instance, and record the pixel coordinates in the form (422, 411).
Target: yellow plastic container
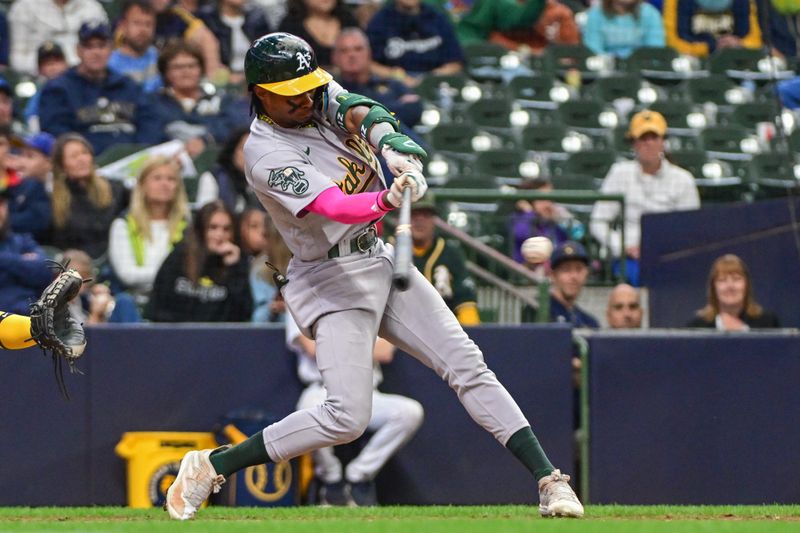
(153, 460)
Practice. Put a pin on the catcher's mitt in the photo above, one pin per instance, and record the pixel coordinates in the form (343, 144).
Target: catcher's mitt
(52, 327)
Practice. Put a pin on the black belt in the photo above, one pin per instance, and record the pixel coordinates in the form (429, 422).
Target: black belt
(360, 243)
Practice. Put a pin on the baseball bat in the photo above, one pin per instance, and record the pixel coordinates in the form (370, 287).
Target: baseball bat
(402, 246)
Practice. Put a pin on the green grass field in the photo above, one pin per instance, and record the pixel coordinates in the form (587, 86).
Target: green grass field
(401, 519)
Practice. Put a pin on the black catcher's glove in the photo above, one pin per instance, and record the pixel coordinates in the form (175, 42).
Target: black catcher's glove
(52, 327)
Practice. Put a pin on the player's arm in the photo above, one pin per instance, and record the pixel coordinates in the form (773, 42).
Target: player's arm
(383, 352)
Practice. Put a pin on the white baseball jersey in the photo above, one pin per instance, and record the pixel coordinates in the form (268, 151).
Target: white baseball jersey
(289, 167)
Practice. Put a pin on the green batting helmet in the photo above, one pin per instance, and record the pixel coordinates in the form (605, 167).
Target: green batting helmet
(284, 64)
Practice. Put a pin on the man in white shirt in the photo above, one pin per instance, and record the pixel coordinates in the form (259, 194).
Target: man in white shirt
(650, 184)
(33, 22)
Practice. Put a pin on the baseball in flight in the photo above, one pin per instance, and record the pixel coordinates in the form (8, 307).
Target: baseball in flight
(537, 249)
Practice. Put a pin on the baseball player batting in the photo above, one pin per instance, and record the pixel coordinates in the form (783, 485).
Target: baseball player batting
(311, 159)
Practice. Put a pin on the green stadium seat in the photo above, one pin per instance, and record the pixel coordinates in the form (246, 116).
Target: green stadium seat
(710, 89)
(115, 152)
(532, 89)
(473, 181)
(453, 138)
(735, 62)
(749, 114)
(581, 114)
(431, 87)
(577, 182)
(490, 112)
(543, 138)
(613, 87)
(565, 57)
(727, 142)
(774, 174)
(676, 113)
(593, 163)
(655, 64)
(503, 163)
(484, 60)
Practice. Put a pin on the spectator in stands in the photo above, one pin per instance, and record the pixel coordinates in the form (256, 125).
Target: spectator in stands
(318, 22)
(136, 56)
(555, 25)
(52, 64)
(187, 110)
(569, 271)
(235, 24)
(352, 57)
(410, 39)
(542, 218)
(155, 222)
(32, 22)
(442, 264)
(268, 303)
(95, 304)
(275, 11)
(33, 162)
(624, 309)
(5, 40)
(23, 268)
(731, 304)
(618, 27)
(176, 23)
(253, 232)
(226, 180)
(205, 278)
(6, 104)
(84, 203)
(650, 184)
(698, 27)
(29, 204)
(475, 20)
(102, 105)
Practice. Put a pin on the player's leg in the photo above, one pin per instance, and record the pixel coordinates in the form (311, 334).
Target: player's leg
(419, 322)
(15, 332)
(344, 357)
(395, 419)
(327, 467)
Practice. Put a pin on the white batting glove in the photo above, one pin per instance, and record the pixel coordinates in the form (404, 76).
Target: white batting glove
(399, 162)
(412, 179)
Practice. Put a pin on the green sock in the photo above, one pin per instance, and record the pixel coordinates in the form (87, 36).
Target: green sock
(248, 453)
(525, 447)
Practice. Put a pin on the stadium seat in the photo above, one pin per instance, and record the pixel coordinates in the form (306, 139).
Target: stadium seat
(115, 152)
(543, 138)
(532, 90)
(582, 114)
(472, 181)
(490, 112)
(712, 89)
(714, 179)
(774, 174)
(431, 87)
(611, 88)
(455, 138)
(593, 163)
(655, 64)
(735, 62)
(749, 114)
(676, 114)
(565, 57)
(577, 182)
(727, 142)
(484, 60)
(501, 163)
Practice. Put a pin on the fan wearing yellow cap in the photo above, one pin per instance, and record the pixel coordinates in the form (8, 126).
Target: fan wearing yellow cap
(650, 184)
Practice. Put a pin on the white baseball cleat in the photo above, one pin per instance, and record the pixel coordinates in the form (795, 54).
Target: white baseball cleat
(556, 497)
(195, 482)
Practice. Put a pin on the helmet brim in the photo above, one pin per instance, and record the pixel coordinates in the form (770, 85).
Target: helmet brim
(296, 86)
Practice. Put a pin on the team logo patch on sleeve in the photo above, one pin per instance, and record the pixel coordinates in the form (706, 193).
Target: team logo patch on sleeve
(288, 178)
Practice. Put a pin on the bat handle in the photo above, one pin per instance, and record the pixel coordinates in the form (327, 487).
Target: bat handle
(402, 250)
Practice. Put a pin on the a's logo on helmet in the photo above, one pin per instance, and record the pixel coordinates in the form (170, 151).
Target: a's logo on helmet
(303, 60)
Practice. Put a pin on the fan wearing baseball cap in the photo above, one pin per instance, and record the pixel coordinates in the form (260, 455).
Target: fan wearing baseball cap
(29, 204)
(650, 184)
(104, 106)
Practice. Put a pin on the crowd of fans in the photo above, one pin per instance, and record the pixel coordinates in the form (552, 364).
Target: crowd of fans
(162, 70)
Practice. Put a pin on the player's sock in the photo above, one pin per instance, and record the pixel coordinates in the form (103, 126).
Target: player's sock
(525, 447)
(248, 453)
(15, 332)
